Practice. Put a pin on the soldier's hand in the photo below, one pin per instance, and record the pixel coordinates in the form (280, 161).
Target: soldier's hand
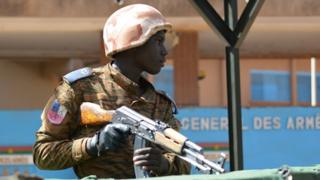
(109, 137)
(151, 160)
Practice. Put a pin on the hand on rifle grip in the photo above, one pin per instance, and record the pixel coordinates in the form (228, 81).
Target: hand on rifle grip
(110, 137)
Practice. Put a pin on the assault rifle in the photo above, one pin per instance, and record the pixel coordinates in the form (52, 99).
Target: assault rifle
(156, 132)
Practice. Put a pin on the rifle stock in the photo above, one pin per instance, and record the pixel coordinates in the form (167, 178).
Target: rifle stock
(93, 114)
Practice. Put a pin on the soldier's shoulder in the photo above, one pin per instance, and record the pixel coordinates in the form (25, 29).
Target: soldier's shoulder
(166, 96)
(82, 74)
(75, 83)
(77, 75)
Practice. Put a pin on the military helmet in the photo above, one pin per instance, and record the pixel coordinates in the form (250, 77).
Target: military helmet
(132, 26)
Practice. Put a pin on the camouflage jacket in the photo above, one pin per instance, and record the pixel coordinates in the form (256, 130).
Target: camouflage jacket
(62, 144)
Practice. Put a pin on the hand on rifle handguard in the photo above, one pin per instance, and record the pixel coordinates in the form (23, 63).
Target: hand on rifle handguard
(152, 160)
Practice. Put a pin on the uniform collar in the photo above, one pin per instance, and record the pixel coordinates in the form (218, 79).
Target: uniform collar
(130, 86)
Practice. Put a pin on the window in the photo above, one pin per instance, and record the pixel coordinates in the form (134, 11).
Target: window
(304, 87)
(270, 86)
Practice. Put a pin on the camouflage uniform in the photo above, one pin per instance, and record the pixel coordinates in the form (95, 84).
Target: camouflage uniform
(63, 145)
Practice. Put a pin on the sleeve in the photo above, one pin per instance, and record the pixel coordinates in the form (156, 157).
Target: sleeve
(177, 166)
(54, 147)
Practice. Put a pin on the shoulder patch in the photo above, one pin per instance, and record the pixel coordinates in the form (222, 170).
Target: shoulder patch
(166, 95)
(77, 74)
(56, 113)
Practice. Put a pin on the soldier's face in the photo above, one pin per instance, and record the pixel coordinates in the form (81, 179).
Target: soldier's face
(151, 56)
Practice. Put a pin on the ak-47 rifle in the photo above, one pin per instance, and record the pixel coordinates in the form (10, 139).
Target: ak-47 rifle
(156, 132)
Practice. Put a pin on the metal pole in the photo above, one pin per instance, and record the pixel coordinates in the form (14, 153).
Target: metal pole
(313, 81)
(233, 89)
(234, 33)
(214, 20)
(246, 20)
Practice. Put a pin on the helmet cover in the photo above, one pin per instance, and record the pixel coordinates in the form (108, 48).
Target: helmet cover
(132, 26)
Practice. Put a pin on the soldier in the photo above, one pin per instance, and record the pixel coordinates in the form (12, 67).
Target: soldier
(134, 38)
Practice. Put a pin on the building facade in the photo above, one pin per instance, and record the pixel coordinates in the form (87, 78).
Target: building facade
(40, 41)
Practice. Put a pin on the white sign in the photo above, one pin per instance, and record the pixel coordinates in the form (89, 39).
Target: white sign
(24, 159)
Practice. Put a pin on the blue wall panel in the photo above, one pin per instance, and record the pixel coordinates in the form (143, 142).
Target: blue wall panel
(272, 136)
(18, 129)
